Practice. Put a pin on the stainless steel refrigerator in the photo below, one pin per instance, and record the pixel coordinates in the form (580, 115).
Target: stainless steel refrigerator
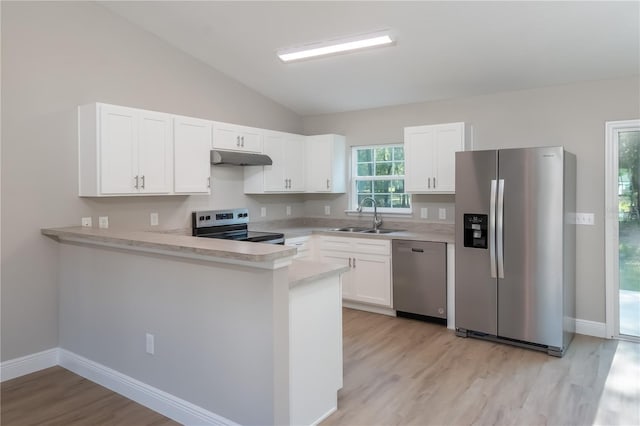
(515, 247)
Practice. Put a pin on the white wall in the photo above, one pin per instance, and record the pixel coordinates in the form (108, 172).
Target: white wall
(572, 116)
(56, 56)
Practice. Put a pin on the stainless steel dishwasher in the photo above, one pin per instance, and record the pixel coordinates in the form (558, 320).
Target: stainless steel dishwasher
(420, 279)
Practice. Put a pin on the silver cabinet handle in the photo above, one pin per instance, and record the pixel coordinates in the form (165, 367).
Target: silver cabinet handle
(349, 262)
(142, 182)
(500, 228)
(285, 184)
(429, 183)
(354, 262)
(209, 182)
(238, 141)
(242, 138)
(328, 183)
(434, 183)
(136, 185)
(492, 228)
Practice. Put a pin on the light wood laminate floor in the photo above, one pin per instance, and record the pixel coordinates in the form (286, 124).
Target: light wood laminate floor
(58, 397)
(405, 372)
(400, 372)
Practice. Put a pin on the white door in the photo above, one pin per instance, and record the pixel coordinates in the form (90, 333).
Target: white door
(274, 175)
(155, 141)
(348, 282)
(295, 158)
(449, 139)
(622, 242)
(319, 163)
(118, 150)
(419, 153)
(192, 163)
(372, 276)
(251, 140)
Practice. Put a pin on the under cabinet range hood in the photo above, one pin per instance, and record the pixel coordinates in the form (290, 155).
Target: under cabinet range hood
(233, 158)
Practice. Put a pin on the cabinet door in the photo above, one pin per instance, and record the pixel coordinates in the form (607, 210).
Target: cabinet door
(419, 154)
(118, 150)
(225, 137)
(295, 160)
(348, 282)
(251, 140)
(275, 174)
(319, 163)
(449, 139)
(191, 155)
(154, 153)
(372, 276)
(236, 138)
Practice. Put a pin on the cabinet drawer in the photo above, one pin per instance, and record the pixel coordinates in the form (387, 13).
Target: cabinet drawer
(363, 245)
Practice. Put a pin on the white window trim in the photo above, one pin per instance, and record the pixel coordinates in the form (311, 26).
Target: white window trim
(353, 203)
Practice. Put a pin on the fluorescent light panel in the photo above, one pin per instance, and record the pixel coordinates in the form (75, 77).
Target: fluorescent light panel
(380, 38)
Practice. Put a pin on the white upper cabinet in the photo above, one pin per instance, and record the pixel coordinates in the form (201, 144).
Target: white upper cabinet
(430, 157)
(326, 167)
(287, 173)
(124, 151)
(236, 138)
(192, 141)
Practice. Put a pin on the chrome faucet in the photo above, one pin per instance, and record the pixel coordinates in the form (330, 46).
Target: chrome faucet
(377, 221)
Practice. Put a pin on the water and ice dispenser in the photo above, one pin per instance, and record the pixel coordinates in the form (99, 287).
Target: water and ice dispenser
(475, 230)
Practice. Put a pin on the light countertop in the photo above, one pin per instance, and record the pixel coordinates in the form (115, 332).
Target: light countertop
(177, 244)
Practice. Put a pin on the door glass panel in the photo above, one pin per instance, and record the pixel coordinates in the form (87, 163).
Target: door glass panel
(629, 231)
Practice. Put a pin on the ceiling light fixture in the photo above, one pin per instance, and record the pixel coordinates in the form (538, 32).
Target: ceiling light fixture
(341, 45)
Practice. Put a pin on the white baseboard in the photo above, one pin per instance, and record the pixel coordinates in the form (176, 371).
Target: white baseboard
(28, 364)
(369, 308)
(591, 328)
(162, 402)
(324, 416)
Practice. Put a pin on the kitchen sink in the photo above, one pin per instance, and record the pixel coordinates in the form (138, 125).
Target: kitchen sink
(351, 229)
(363, 230)
(381, 231)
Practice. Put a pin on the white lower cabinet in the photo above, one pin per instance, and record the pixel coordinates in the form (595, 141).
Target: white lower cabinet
(369, 277)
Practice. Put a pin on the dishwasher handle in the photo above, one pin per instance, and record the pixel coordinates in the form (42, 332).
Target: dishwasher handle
(417, 250)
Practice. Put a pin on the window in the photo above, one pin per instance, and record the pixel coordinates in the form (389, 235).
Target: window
(378, 172)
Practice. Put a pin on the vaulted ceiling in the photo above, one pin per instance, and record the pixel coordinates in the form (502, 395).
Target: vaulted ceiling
(444, 49)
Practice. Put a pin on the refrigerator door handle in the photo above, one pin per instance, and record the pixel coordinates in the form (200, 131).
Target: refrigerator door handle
(492, 229)
(500, 229)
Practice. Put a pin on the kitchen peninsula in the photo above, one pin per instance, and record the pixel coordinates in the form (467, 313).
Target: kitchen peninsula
(226, 331)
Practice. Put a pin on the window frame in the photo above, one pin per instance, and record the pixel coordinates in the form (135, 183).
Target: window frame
(353, 199)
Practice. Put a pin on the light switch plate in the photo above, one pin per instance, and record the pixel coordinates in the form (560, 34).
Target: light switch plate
(263, 211)
(442, 214)
(288, 210)
(154, 219)
(584, 218)
(86, 222)
(424, 213)
(103, 222)
(327, 210)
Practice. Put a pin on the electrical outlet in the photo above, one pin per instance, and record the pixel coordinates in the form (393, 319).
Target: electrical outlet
(103, 222)
(86, 222)
(327, 210)
(150, 344)
(263, 212)
(154, 219)
(442, 213)
(584, 218)
(288, 209)
(424, 213)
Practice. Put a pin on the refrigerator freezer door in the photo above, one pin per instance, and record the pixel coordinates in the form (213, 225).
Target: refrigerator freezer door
(476, 293)
(530, 294)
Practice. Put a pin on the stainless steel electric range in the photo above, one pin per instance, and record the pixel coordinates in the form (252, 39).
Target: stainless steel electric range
(230, 225)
